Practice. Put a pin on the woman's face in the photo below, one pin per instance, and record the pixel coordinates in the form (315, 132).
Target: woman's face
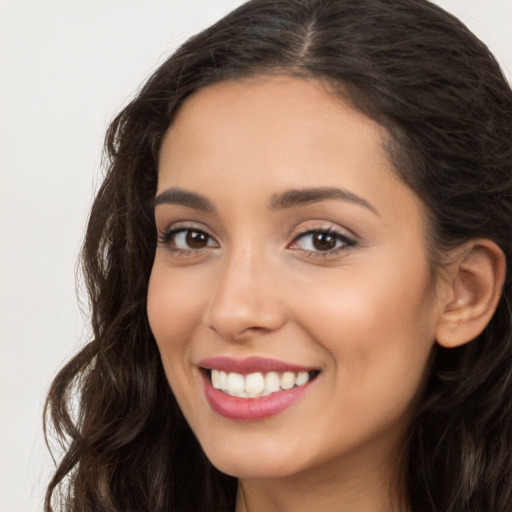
(289, 255)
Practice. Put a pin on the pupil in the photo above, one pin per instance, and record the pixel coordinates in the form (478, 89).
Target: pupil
(196, 239)
(324, 241)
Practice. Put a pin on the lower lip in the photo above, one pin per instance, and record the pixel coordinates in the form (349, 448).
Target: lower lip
(251, 409)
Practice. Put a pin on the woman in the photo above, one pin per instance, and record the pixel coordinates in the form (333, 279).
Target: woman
(297, 271)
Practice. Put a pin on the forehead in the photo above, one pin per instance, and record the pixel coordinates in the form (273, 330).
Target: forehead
(273, 118)
(255, 137)
(279, 103)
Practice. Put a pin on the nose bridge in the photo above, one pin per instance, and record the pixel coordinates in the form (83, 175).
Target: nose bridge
(244, 300)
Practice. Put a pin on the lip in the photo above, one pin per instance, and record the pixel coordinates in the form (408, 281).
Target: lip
(250, 365)
(250, 409)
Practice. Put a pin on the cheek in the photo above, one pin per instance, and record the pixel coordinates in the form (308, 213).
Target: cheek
(174, 313)
(377, 326)
(174, 308)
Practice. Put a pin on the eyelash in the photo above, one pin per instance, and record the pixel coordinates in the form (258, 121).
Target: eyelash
(346, 243)
(167, 237)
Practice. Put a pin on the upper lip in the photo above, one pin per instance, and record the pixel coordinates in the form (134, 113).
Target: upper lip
(250, 365)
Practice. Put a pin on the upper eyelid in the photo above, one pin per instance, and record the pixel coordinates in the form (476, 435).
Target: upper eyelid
(347, 238)
(185, 225)
(348, 244)
(164, 236)
(165, 239)
(179, 229)
(334, 232)
(326, 227)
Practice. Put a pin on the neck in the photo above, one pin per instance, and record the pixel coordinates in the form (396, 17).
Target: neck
(329, 489)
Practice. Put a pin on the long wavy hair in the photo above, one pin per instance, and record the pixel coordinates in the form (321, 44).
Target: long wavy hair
(447, 109)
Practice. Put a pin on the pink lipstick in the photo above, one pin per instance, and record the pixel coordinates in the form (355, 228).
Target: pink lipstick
(253, 388)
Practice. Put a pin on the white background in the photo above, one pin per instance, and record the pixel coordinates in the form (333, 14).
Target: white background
(66, 67)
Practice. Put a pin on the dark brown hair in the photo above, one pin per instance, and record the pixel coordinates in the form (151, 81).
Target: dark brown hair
(447, 108)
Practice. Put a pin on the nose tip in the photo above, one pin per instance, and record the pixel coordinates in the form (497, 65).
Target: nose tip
(244, 304)
(240, 322)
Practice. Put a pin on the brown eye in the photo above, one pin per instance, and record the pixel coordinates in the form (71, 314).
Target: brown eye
(196, 239)
(183, 239)
(324, 241)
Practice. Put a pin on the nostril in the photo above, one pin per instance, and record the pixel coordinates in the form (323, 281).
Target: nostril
(237, 331)
(241, 308)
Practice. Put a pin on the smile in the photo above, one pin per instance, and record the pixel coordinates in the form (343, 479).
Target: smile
(258, 384)
(254, 388)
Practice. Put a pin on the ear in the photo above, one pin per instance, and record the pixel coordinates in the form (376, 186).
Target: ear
(475, 281)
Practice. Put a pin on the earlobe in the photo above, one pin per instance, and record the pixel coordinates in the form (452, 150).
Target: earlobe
(476, 281)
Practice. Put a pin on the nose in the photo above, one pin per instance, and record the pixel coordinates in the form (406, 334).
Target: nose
(245, 300)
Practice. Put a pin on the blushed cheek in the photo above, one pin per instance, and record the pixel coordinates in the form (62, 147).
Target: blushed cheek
(168, 311)
(172, 322)
(177, 298)
(156, 306)
(380, 350)
(361, 316)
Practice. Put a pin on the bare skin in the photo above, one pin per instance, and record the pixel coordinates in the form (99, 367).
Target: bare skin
(339, 283)
(370, 489)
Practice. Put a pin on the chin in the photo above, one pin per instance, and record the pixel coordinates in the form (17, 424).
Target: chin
(252, 468)
(251, 459)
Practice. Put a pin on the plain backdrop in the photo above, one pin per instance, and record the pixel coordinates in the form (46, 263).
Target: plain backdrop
(66, 68)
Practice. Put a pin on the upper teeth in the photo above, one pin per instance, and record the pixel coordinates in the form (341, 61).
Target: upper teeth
(256, 384)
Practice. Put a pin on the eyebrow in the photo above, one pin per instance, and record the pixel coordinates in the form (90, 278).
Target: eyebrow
(300, 197)
(184, 198)
(288, 199)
